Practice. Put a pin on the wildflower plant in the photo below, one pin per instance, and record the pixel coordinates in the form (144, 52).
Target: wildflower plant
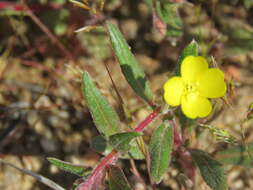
(193, 87)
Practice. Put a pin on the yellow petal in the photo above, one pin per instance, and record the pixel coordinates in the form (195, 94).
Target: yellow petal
(173, 90)
(193, 67)
(212, 84)
(194, 106)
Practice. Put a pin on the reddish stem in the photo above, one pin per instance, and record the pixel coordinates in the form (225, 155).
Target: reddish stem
(184, 155)
(147, 120)
(186, 163)
(110, 158)
(178, 139)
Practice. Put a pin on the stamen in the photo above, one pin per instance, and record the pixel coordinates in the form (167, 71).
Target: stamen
(190, 91)
(191, 87)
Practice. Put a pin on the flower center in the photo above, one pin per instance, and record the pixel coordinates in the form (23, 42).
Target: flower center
(191, 87)
(191, 90)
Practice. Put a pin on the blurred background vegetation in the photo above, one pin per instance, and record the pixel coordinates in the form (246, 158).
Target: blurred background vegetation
(42, 110)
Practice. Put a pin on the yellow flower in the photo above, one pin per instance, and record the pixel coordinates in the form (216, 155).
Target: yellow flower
(196, 85)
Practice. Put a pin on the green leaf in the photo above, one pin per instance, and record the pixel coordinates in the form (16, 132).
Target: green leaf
(190, 50)
(104, 116)
(121, 141)
(99, 144)
(161, 145)
(210, 169)
(68, 167)
(117, 179)
(168, 13)
(129, 65)
(236, 155)
(135, 151)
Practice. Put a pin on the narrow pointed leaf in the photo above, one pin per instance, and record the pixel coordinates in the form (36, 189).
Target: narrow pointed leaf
(190, 50)
(210, 169)
(121, 141)
(161, 145)
(117, 179)
(236, 155)
(129, 65)
(38, 177)
(68, 167)
(104, 116)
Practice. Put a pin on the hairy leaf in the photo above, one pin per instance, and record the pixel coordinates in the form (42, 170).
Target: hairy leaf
(210, 169)
(100, 145)
(104, 116)
(117, 179)
(161, 145)
(68, 167)
(121, 141)
(129, 65)
(236, 155)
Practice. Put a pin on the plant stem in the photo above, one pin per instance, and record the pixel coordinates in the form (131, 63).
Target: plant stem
(178, 139)
(112, 156)
(185, 159)
(147, 120)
